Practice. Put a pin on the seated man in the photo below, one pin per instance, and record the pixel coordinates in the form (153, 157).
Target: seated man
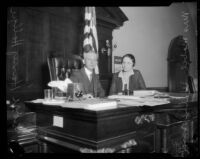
(87, 77)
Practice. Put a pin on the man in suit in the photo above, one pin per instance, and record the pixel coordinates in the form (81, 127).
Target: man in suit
(87, 77)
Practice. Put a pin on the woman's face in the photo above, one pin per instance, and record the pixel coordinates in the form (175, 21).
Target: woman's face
(127, 64)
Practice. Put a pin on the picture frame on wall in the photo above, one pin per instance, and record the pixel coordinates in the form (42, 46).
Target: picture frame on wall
(117, 63)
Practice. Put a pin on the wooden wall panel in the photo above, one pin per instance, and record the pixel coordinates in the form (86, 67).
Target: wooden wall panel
(39, 31)
(35, 33)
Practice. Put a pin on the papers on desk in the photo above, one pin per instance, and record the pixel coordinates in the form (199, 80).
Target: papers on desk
(94, 104)
(62, 85)
(123, 97)
(37, 101)
(176, 97)
(144, 93)
(144, 101)
(48, 102)
(138, 101)
(137, 94)
(53, 102)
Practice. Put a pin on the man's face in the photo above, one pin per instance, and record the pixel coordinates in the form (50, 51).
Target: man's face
(90, 60)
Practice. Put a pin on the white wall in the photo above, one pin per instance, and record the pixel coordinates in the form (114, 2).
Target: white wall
(147, 35)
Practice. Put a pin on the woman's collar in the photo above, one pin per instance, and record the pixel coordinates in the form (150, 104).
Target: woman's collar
(129, 73)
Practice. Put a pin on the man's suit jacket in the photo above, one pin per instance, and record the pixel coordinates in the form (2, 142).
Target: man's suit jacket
(89, 87)
(136, 82)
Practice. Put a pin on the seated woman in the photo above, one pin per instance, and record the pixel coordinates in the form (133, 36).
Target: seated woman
(127, 79)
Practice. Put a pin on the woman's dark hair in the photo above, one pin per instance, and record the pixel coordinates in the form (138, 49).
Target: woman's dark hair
(131, 57)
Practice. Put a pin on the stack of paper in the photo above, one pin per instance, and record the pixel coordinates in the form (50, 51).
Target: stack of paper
(49, 102)
(53, 102)
(138, 101)
(37, 101)
(92, 104)
(144, 93)
(122, 97)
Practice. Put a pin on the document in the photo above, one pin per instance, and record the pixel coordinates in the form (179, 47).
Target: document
(144, 102)
(62, 85)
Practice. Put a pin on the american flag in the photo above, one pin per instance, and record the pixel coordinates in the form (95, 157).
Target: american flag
(90, 32)
(90, 41)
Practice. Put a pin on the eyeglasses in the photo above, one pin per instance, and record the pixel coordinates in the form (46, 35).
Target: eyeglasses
(127, 63)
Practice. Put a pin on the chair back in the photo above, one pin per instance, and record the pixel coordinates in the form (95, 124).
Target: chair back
(60, 68)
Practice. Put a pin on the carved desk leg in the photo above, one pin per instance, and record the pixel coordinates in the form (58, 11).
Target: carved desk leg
(191, 131)
(164, 140)
(43, 147)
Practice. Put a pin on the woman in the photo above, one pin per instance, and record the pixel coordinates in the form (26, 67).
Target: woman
(128, 79)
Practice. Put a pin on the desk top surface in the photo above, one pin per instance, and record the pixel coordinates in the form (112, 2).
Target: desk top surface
(175, 103)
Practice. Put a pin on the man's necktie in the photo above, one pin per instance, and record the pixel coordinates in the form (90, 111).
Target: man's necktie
(90, 77)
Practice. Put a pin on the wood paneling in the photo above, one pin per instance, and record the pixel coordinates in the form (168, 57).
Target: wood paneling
(44, 30)
(34, 33)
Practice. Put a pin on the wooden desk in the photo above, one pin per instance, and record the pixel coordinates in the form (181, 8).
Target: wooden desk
(176, 124)
(124, 129)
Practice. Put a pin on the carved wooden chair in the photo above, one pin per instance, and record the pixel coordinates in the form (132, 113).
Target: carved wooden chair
(57, 68)
(61, 68)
